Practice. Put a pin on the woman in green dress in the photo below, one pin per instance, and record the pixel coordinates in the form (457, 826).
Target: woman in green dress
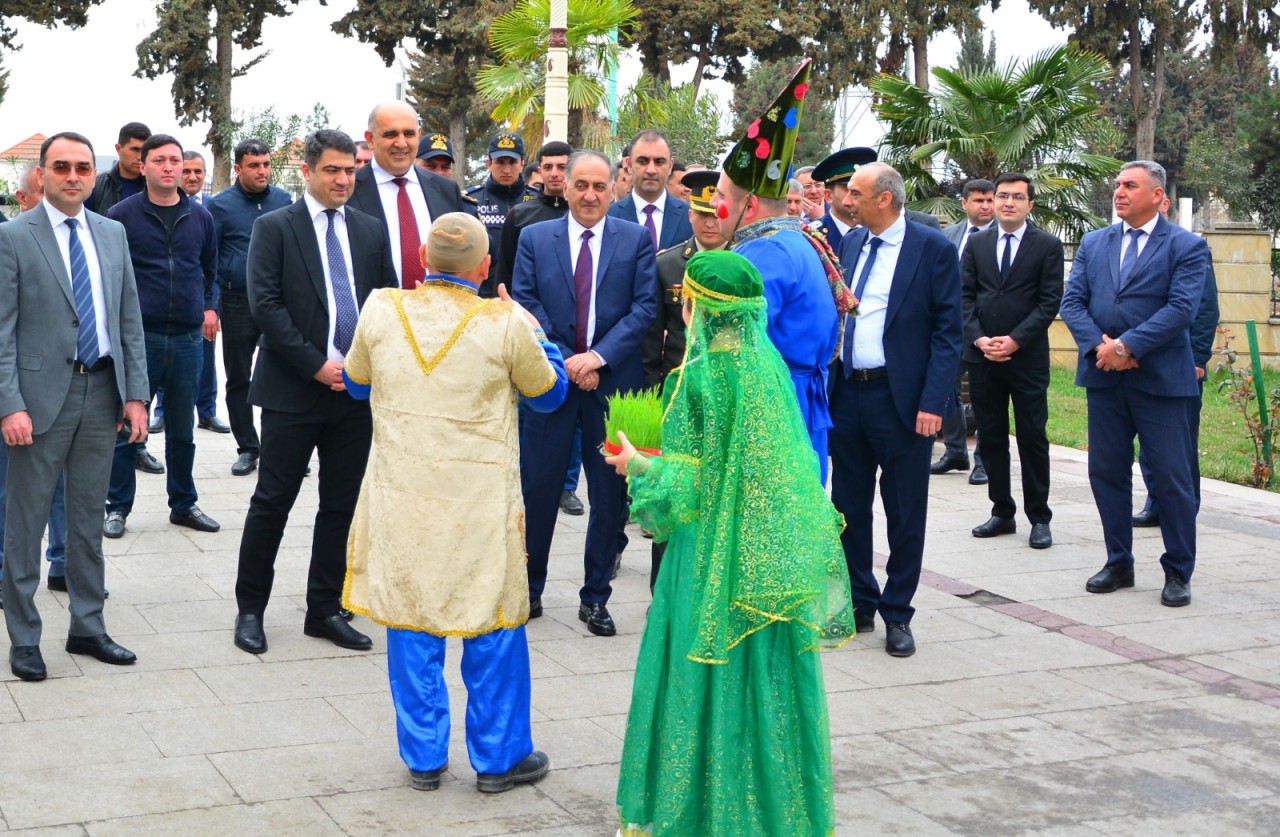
(728, 730)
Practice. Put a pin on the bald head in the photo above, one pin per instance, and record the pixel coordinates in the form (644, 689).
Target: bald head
(875, 196)
(393, 136)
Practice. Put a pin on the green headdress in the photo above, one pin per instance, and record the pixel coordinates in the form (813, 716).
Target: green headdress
(761, 161)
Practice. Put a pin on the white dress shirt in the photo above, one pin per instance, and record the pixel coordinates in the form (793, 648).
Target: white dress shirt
(1147, 228)
(62, 233)
(593, 245)
(641, 203)
(389, 194)
(968, 231)
(873, 305)
(320, 220)
(1014, 243)
(842, 227)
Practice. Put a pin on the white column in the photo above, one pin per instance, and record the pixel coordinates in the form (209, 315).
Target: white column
(557, 103)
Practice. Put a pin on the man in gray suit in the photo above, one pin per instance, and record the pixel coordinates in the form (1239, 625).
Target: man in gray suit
(72, 371)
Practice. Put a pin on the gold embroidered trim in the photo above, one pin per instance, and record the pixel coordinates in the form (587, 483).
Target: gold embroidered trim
(707, 293)
(429, 366)
(356, 380)
(500, 623)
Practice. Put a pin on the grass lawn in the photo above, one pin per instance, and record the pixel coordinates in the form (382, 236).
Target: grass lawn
(1223, 435)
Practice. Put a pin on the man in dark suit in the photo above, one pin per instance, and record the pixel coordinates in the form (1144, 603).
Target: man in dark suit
(1012, 289)
(311, 265)
(890, 390)
(835, 172)
(398, 193)
(592, 282)
(1132, 296)
(72, 371)
(649, 204)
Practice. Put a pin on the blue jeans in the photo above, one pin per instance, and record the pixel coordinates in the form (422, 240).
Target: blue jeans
(173, 362)
(56, 552)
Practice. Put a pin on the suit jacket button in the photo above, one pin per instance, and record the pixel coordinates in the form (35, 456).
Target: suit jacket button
(75, 323)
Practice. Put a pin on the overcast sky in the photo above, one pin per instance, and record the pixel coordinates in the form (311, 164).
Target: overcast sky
(83, 79)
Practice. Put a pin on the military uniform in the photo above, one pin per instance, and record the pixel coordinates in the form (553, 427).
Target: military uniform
(663, 347)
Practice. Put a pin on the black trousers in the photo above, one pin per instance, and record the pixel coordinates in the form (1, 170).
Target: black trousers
(992, 387)
(239, 341)
(340, 429)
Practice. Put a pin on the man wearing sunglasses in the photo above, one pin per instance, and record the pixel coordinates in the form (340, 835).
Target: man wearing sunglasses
(72, 372)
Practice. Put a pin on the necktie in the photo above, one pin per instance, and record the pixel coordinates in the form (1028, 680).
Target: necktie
(344, 299)
(582, 291)
(849, 321)
(1130, 256)
(1007, 258)
(82, 290)
(411, 270)
(649, 225)
(972, 230)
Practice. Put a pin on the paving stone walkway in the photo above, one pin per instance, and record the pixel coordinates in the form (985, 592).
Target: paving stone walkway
(1031, 706)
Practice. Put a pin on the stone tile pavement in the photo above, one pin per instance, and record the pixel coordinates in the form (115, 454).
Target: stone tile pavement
(1031, 706)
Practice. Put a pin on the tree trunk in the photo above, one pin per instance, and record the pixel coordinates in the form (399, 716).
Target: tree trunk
(704, 55)
(1144, 118)
(220, 108)
(920, 59)
(458, 136)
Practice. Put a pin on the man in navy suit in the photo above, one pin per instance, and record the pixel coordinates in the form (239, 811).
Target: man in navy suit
(1134, 290)
(649, 204)
(893, 384)
(592, 281)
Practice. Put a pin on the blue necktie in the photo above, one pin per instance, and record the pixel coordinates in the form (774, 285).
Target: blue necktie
(87, 348)
(1130, 256)
(347, 315)
(862, 286)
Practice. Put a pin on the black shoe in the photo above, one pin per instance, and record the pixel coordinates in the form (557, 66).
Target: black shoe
(102, 648)
(249, 633)
(947, 462)
(617, 565)
(156, 426)
(215, 424)
(1146, 519)
(864, 625)
(995, 526)
(598, 620)
(978, 476)
(246, 463)
(346, 615)
(339, 633)
(193, 518)
(535, 607)
(1041, 537)
(147, 463)
(58, 584)
(898, 640)
(26, 663)
(113, 526)
(1109, 579)
(570, 504)
(532, 768)
(1176, 592)
(427, 780)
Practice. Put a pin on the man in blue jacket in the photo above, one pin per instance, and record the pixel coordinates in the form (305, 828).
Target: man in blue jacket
(234, 210)
(175, 255)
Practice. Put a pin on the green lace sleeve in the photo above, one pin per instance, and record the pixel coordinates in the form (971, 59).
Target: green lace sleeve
(664, 493)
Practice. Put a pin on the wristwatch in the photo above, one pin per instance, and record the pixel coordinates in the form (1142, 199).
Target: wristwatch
(1121, 349)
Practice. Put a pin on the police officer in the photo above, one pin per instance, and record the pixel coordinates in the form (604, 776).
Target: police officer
(503, 189)
(435, 154)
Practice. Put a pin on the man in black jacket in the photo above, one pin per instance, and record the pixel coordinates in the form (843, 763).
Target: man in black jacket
(502, 191)
(124, 179)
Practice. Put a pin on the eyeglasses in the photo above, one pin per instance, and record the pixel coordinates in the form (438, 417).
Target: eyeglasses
(1016, 197)
(64, 168)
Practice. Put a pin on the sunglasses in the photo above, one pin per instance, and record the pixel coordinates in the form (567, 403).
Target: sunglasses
(64, 168)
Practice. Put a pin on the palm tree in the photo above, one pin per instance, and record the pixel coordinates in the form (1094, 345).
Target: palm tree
(1040, 118)
(517, 85)
(690, 121)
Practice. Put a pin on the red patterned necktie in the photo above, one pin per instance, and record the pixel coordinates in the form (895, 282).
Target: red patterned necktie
(411, 270)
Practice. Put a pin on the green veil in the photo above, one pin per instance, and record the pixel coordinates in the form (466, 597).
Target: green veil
(739, 467)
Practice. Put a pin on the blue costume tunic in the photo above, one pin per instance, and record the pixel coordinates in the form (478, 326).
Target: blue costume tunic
(803, 323)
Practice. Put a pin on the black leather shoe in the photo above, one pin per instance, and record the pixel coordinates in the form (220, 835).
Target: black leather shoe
(598, 620)
(249, 633)
(113, 526)
(1109, 579)
(427, 780)
(947, 462)
(102, 648)
(193, 518)
(147, 463)
(570, 504)
(58, 584)
(1041, 537)
(532, 768)
(215, 424)
(898, 640)
(339, 633)
(995, 526)
(246, 463)
(1176, 592)
(26, 663)
(1146, 519)
(978, 476)
(156, 426)
(864, 625)
(535, 607)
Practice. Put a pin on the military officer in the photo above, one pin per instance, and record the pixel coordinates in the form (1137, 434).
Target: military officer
(501, 190)
(435, 154)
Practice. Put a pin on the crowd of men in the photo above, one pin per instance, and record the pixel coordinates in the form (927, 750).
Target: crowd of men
(127, 278)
